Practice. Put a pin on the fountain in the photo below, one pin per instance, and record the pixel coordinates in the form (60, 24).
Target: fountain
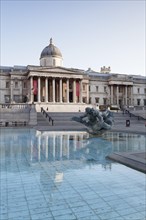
(96, 120)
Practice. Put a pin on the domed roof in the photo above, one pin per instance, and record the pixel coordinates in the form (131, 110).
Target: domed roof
(51, 50)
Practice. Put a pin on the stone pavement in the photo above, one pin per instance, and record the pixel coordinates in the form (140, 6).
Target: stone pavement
(137, 126)
(136, 160)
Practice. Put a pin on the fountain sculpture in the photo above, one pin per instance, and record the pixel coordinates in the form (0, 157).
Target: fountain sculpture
(97, 120)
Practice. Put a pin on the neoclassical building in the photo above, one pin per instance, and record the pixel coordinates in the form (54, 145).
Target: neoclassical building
(68, 89)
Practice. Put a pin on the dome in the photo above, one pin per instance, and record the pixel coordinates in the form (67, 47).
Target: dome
(51, 50)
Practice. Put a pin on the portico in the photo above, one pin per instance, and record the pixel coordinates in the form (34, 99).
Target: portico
(121, 93)
(50, 86)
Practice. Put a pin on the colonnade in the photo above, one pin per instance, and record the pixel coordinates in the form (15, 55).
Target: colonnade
(49, 89)
(121, 97)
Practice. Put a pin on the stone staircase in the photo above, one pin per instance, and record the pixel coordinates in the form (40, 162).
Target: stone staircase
(41, 120)
(62, 121)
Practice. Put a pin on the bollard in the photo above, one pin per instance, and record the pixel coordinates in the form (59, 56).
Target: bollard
(127, 123)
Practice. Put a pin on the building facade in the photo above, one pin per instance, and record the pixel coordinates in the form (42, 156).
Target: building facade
(52, 84)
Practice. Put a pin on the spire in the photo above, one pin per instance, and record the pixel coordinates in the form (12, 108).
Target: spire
(51, 40)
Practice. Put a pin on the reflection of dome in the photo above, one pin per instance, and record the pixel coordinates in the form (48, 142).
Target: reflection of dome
(51, 50)
(51, 56)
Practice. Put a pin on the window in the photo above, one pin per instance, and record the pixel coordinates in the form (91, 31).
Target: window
(84, 99)
(138, 90)
(17, 98)
(7, 98)
(104, 101)
(96, 99)
(96, 88)
(24, 85)
(105, 90)
(16, 85)
(89, 88)
(7, 85)
(144, 101)
(138, 101)
(84, 87)
(145, 90)
(90, 100)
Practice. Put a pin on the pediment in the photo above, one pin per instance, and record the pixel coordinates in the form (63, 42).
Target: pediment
(55, 70)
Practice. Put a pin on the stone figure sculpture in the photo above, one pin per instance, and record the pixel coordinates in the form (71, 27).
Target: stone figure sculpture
(97, 120)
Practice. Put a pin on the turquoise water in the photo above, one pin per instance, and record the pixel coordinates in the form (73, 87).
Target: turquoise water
(65, 175)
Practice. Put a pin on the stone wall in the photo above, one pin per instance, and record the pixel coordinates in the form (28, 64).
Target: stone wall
(17, 114)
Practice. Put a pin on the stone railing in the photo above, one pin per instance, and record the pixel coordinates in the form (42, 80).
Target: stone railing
(15, 107)
(17, 114)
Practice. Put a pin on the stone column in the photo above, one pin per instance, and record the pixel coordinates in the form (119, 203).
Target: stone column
(112, 95)
(31, 89)
(88, 93)
(80, 98)
(39, 89)
(60, 85)
(67, 90)
(50, 91)
(74, 91)
(11, 91)
(46, 89)
(54, 90)
(117, 95)
(57, 91)
(125, 95)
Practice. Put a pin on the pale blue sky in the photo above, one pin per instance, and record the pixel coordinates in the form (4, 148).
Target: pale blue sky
(88, 33)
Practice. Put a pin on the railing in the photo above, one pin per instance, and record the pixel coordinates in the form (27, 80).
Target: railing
(13, 123)
(135, 111)
(47, 115)
(17, 107)
(17, 115)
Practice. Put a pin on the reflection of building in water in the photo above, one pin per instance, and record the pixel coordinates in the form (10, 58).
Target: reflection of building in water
(126, 142)
(57, 145)
(35, 146)
(14, 144)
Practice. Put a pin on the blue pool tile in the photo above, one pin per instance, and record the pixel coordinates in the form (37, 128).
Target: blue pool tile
(135, 216)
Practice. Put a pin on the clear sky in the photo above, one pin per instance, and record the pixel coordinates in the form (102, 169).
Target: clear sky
(88, 33)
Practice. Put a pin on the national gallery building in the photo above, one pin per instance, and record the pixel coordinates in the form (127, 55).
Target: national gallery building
(68, 89)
